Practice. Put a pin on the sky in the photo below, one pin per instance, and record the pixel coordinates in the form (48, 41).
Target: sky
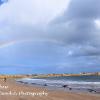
(49, 36)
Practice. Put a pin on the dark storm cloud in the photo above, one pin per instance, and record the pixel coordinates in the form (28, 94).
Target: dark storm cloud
(82, 9)
(85, 50)
(77, 27)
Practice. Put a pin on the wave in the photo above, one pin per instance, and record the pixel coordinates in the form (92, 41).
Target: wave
(60, 83)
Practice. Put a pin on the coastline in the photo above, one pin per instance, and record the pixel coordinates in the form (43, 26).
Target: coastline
(14, 86)
(70, 84)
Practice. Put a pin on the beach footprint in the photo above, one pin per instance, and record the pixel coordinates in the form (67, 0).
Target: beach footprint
(22, 99)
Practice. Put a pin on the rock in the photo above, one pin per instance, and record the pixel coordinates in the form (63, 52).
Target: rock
(65, 86)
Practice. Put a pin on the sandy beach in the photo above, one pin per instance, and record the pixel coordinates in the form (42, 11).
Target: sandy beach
(10, 90)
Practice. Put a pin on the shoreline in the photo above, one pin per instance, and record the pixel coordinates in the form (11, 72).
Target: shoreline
(52, 94)
(65, 89)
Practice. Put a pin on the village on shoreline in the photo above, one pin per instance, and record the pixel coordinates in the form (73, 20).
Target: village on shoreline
(49, 75)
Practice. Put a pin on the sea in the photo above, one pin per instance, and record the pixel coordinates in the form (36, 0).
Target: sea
(75, 83)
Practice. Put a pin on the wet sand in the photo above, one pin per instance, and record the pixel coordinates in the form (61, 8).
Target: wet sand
(10, 90)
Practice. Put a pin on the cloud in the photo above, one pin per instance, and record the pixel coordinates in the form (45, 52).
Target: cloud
(32, 11)
(81, 10)
(28, 19)
(50, 33)
(77, 29)
(23, 36)
(78, 26)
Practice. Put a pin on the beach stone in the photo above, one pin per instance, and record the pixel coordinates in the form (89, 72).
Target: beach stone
(65, 86)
